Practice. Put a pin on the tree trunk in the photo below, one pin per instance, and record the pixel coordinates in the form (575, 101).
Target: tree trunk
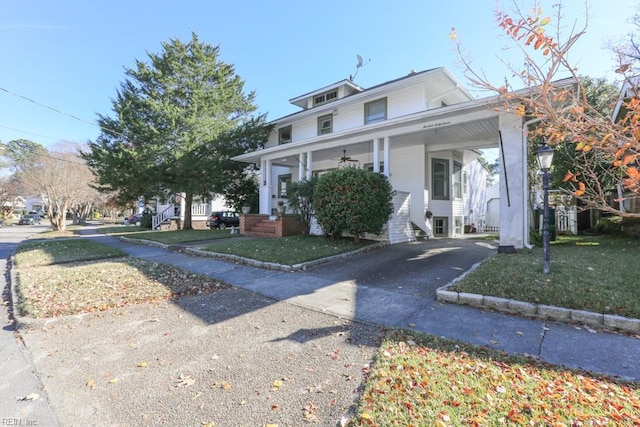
(188, 202)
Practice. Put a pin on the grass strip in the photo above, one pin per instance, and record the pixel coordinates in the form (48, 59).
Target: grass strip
(169, 236)
(42, 253)
(286, 250)
(423, 380)
(83, 287)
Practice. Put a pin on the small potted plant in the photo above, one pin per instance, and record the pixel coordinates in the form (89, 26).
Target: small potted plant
(281, 207)
(246, 208)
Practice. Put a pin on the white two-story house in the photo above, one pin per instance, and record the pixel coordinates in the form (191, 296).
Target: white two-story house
(420, 130)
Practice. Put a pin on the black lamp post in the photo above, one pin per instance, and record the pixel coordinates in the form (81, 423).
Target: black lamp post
(545, 158)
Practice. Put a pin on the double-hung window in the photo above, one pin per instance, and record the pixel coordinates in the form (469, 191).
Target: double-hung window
(375, 111)
(440, 179)
(325, 124)
(457, 180)
(284, 135)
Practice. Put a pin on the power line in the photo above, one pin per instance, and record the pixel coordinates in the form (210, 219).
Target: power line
(30, 133)
(62, 112)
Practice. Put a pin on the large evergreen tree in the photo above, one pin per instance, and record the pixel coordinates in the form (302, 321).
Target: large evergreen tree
(171, 127)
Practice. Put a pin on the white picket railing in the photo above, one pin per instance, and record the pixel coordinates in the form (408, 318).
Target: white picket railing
(161, 217)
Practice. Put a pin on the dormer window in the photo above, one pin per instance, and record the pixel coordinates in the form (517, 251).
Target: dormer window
(323, 98)
(284, 135)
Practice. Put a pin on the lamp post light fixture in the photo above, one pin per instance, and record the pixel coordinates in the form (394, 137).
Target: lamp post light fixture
(545, 159)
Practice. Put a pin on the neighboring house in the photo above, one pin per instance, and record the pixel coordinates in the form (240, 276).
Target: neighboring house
(171, 212)
(14, 207)
(36, 204)
(419, 130)
(475, 194)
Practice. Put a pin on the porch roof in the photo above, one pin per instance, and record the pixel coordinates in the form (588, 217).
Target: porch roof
(455, 125)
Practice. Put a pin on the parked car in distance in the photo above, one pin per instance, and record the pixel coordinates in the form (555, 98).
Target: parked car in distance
(133, 220)
(30, 219)
(223, 219)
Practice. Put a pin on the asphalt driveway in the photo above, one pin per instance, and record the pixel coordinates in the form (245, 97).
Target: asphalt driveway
(414, 268)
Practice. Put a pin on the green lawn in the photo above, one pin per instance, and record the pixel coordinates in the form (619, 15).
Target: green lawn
(48, 252)
(286, 250)
(587, 273)
(167, 237)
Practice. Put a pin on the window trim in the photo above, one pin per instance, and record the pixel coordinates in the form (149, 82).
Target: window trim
(325, 97)
(447, 190)
(285, 179)
(328, 117)
(369, 104)
(445, 226)
(457, 190)
(282, 130)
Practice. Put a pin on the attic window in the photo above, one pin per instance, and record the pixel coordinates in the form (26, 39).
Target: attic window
(323, 98)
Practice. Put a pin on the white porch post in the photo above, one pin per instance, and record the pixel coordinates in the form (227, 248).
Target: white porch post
(376, 155)
(183, 207)
(265, 187)
(513, 177)
(301, 166)
(309, 165)
(385, 156)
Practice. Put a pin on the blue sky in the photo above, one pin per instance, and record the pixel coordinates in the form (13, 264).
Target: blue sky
(71, 55)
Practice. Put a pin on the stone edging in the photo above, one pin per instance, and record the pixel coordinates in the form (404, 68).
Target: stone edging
(539, 311)
(253, 262)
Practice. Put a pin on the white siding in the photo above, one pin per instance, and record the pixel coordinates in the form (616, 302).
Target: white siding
(406, 101)
(407, 174)
(399, 226)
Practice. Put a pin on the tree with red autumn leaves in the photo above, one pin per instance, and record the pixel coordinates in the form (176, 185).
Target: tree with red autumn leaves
(605, 163)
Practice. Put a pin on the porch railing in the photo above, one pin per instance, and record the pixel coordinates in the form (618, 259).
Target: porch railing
(161, 217)
(200, 209)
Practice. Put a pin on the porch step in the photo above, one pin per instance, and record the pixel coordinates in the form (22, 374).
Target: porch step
(264, 228)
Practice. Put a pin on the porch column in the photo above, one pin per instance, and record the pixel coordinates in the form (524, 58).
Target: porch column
(265, 187)
(183, 207)
(309, 163)
(385, 156)
(301, 166)
(376, 155)
(513, 184)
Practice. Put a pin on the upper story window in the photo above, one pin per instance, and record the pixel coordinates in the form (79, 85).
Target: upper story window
(325, 124)
(375, 111)
(284, 135)
(323, 98)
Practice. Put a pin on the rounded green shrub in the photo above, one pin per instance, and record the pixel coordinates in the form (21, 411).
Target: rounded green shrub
(354, 201)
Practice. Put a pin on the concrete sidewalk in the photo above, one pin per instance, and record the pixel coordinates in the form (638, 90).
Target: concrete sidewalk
(335, 289)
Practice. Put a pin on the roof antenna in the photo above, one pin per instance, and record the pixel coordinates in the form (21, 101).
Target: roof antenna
(359, 65)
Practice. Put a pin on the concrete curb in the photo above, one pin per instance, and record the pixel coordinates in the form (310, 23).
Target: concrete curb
(539, 311)
(253, 262)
